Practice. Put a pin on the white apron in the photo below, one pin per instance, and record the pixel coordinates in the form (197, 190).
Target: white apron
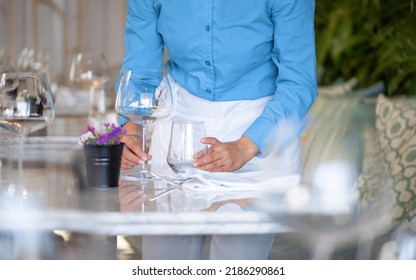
(226, 121)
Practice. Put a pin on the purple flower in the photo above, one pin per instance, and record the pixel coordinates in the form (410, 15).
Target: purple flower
(111, 136)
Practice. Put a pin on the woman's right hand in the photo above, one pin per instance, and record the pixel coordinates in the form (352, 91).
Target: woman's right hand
(133, 153)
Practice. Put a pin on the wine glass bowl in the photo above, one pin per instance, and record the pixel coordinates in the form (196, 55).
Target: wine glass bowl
(89, 69)
(26, 102)
(143, 97)
(184, 144)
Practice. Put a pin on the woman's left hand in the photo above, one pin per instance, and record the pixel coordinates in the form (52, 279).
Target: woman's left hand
(225, 156)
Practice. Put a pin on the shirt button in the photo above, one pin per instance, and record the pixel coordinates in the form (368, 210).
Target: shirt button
(207, 63)
(207, 28)
(208, 91)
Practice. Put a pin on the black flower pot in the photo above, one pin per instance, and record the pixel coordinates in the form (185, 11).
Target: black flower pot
(103, 165)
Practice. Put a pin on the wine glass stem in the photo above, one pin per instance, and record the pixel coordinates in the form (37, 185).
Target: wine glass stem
(144, 140)
(20, 158)
(91, 102)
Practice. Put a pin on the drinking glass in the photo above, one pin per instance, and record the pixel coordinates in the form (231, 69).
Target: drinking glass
(143, 97)
(89, 70)
(185, 142)
(26, 105)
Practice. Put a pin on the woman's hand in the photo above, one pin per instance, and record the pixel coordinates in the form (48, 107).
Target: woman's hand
(227, 156)
(133, 153)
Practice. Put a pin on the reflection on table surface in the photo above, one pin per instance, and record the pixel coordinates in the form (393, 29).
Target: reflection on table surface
(53, 194)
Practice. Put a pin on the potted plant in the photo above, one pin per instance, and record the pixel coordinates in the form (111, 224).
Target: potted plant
(103, 152)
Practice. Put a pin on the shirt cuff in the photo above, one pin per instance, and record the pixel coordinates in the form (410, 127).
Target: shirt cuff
(270, 137)
(121, 121)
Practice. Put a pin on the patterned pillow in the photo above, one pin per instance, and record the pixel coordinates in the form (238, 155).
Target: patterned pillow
(408, 224)
(373, 173)
(396, 128)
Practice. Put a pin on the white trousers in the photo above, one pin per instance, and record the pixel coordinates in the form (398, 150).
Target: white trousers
(226, 121)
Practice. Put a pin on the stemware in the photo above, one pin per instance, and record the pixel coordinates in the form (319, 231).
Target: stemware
(89, 71)
(33, 61)
(143, 97)
(185, 142)
(36, 61)
(26, 105)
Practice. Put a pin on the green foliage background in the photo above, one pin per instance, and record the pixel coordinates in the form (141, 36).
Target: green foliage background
(371, 40)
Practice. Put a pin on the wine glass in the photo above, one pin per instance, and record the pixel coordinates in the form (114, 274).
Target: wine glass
(143, 97)
(36, 61)
(185, 142)
(26, 105)
(89, 71)
(33, 61)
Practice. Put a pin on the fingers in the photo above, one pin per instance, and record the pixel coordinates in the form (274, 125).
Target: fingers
(201, 153)
(129, 159)
(216, 166)
(133, 153)
(210, 141)
(225, 157)
(219, 157)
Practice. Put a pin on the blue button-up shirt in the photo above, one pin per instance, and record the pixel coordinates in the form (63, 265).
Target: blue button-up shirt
(224, 50)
